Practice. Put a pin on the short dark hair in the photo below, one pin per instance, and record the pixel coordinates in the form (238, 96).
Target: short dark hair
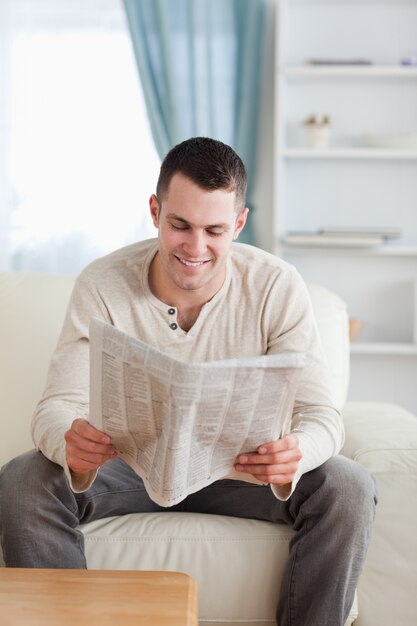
(209, 163)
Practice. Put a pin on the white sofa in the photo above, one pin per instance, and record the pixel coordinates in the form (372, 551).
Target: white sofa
(216, 550)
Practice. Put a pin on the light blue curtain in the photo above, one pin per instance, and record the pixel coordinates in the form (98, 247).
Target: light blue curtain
(200, 65)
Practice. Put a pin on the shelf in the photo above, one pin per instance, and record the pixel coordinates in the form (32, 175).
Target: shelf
(348, 153)
(348, 71)
(359, 3)
(365, 175)
(383, 250)
(381, 348)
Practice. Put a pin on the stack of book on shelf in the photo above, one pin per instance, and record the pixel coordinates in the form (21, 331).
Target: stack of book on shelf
(341, 61)
(334, 237)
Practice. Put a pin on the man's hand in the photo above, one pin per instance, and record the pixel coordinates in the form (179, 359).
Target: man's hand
(275, 462)
(87, 448)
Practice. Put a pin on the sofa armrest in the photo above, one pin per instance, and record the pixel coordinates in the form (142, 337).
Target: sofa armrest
(381, 435)
(383, 438)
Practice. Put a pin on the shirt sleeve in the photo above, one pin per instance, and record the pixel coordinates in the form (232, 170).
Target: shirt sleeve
(316, 419)
(66, 394)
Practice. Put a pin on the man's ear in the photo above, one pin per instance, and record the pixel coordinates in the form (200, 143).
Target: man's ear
(240, 222)
(154, 209)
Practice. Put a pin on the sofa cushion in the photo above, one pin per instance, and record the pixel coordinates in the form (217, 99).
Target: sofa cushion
(228, 558)
(383, 438)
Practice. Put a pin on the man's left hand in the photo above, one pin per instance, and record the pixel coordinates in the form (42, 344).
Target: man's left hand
(275, 462)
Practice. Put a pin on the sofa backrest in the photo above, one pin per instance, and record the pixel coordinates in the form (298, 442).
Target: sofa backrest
(32, 308)
(333, 325)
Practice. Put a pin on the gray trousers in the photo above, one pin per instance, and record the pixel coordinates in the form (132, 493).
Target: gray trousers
(331, 510)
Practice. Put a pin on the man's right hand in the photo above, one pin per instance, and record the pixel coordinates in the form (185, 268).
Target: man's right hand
(87, 448)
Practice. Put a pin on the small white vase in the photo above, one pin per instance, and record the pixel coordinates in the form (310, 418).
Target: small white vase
(317, 135)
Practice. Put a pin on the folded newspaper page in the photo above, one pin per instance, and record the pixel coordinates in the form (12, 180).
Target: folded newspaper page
(180, 426)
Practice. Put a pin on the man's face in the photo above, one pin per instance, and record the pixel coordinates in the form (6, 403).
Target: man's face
(195, 231)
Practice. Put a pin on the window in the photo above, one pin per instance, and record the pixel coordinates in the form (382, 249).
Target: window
(77, 162)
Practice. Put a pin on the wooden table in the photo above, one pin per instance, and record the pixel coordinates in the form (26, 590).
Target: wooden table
(58, 597)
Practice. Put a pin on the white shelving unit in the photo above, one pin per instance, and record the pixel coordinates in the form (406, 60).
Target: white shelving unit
(348, 153)
(353, 182)
(342, 72)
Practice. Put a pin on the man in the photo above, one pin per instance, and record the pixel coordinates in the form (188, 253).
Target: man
(198, 296)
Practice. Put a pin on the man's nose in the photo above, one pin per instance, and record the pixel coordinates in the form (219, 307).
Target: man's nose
(195, 245)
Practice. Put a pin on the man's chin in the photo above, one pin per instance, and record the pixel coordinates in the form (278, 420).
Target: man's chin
(190, 285)
(192, 280)
(206, 277)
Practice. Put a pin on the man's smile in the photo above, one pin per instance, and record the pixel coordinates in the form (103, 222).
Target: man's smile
(191, 263)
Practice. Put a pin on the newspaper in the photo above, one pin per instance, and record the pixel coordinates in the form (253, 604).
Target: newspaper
(180, 426)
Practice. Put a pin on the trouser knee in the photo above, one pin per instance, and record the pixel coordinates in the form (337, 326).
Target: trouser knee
(344, 488)
(352, 485)
(28, 479)
(38, 515)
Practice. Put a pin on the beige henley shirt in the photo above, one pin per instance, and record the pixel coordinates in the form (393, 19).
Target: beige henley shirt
(263, 307)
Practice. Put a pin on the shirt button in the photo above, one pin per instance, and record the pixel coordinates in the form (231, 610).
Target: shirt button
(174, 326)
(171, 311)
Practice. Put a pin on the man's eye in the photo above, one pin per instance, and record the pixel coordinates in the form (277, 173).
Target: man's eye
(179, 227)
(215, 233)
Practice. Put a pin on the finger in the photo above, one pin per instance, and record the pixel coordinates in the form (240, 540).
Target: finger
(80, 461)
(79, 466)
(96, 458)
(277, 458)
(288, 442)
(87, 445)
(268, 470)
(277, 475)
(83, 428)
(277, 479)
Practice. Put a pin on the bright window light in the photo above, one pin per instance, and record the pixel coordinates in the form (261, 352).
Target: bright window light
(82, 163)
